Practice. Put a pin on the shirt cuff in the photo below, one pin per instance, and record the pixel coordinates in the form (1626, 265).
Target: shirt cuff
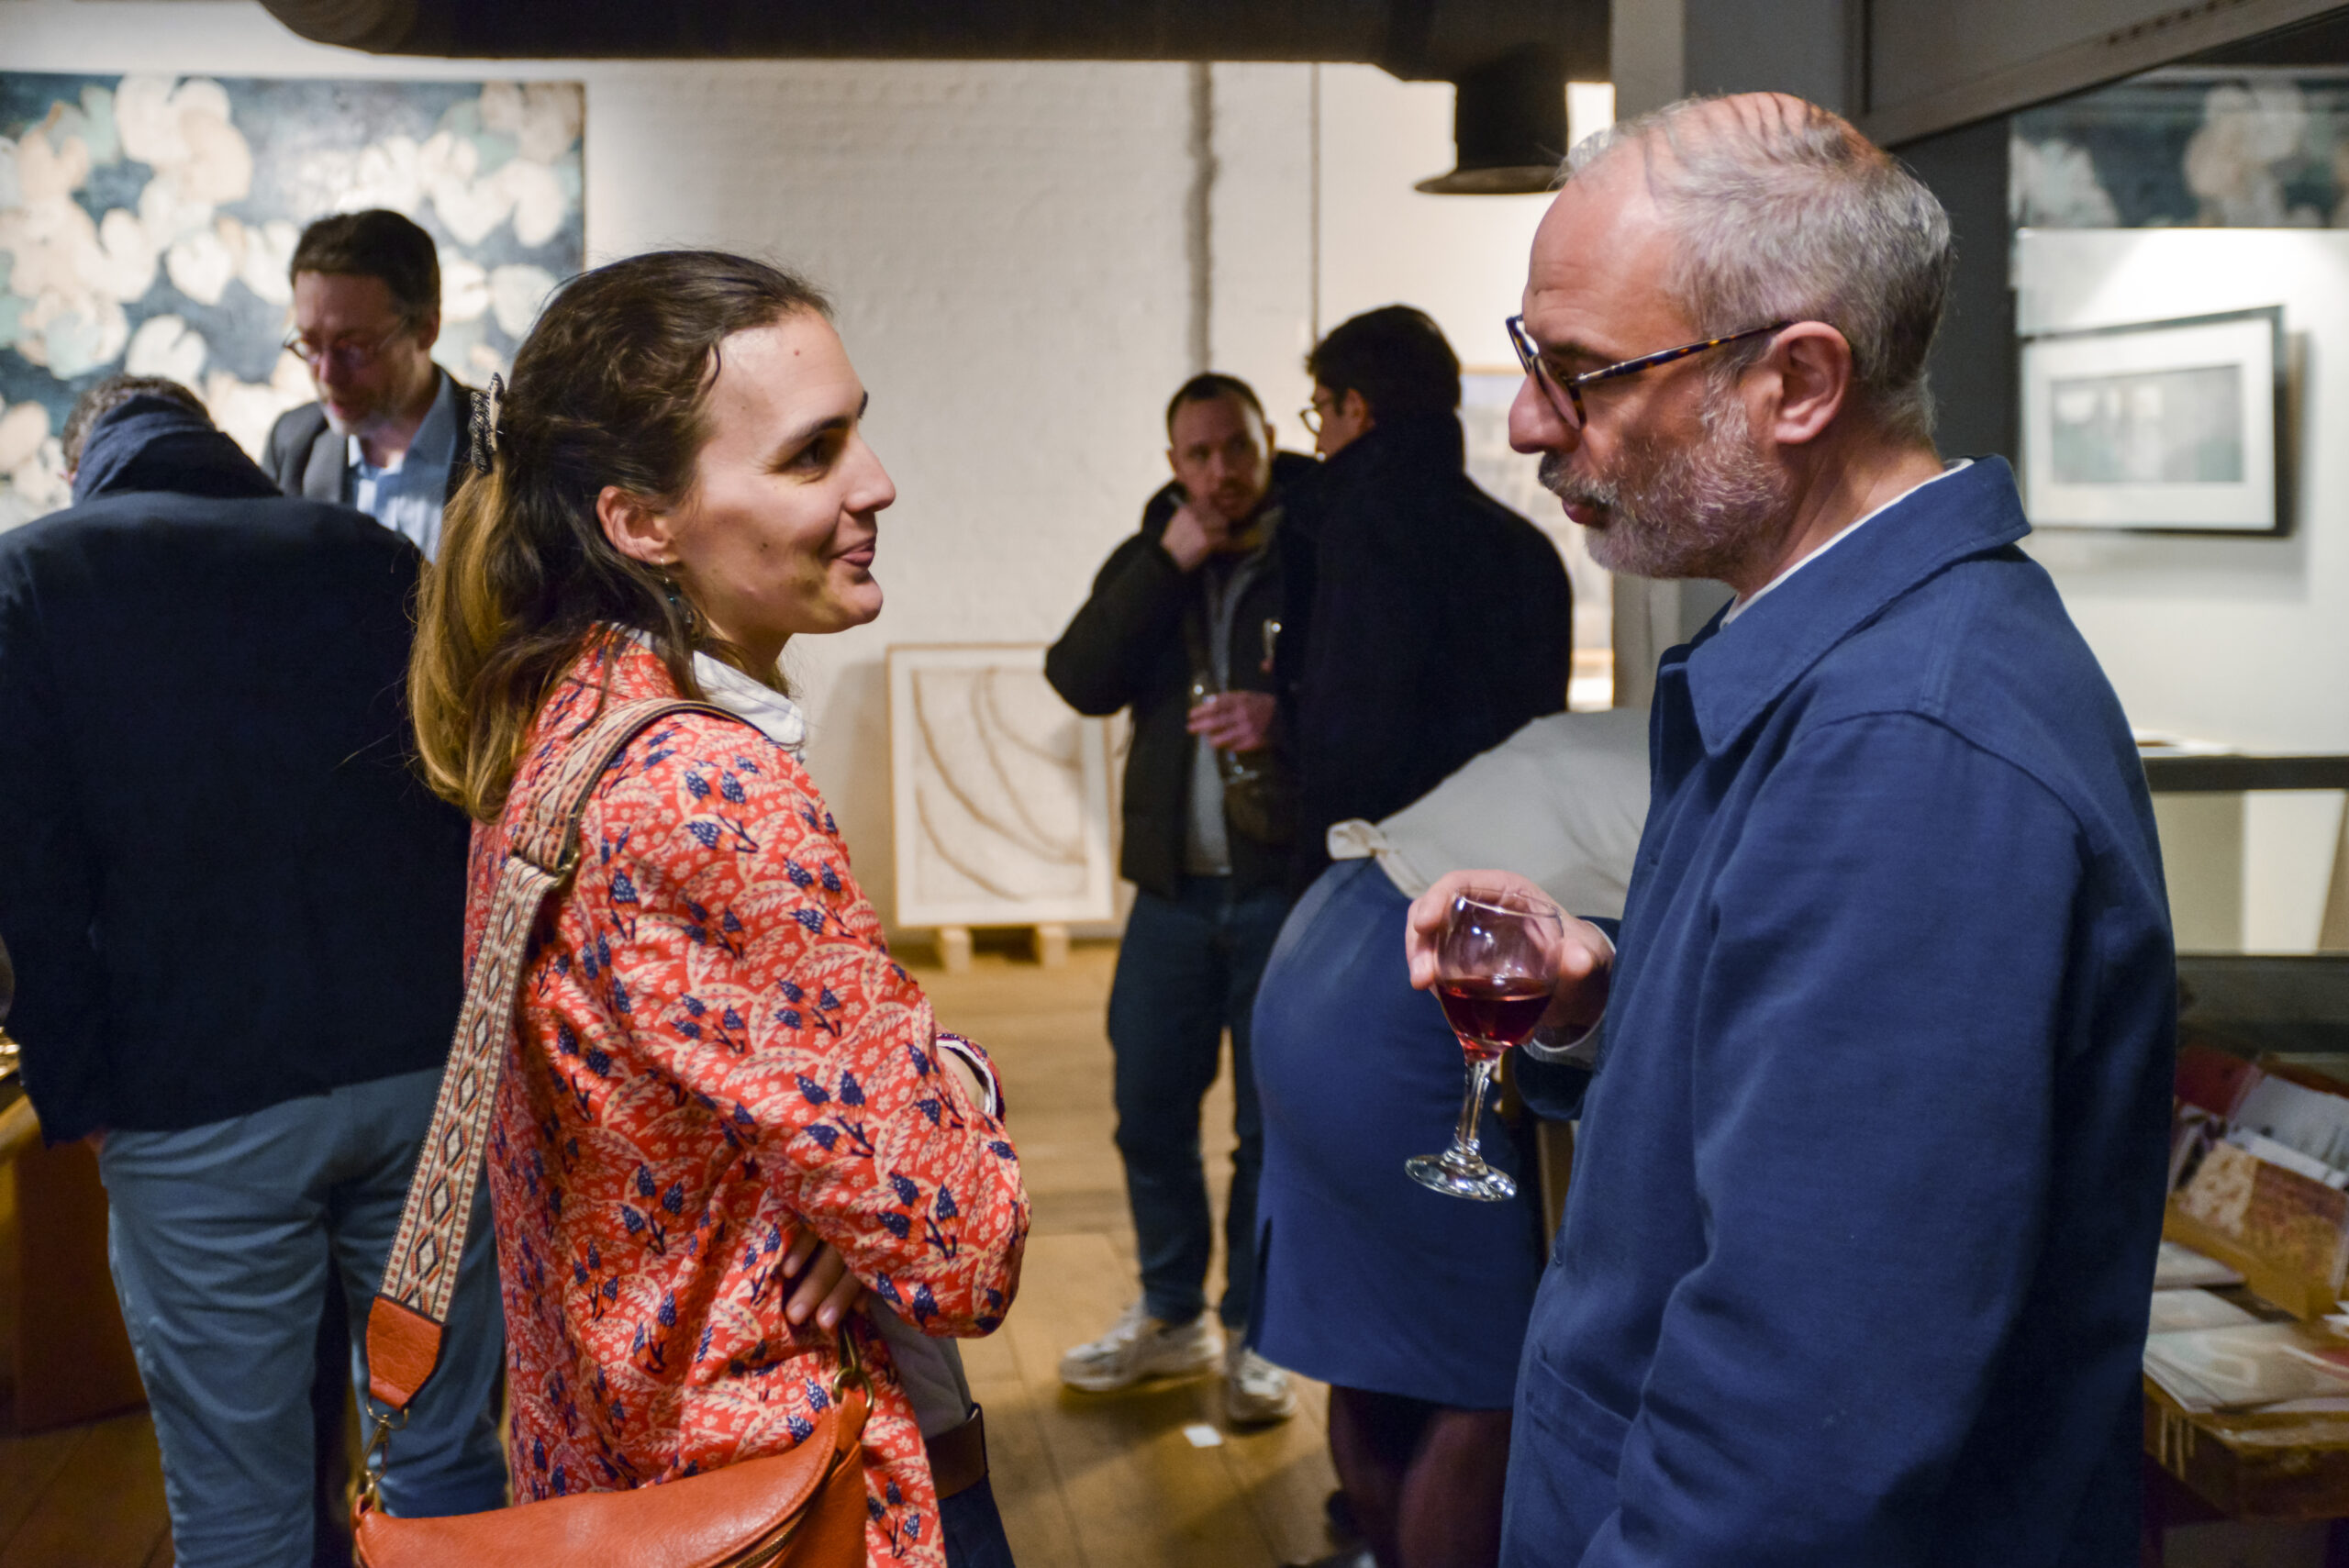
(1576, 1047)
(977, 1060)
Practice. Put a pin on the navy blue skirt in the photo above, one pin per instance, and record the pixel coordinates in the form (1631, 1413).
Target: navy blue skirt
(1365, 1278)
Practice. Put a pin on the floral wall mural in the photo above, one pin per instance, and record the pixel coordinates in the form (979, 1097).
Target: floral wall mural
(146, 223)
(2187, 147)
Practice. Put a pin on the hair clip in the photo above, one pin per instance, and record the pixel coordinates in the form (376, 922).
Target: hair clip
(489, 409)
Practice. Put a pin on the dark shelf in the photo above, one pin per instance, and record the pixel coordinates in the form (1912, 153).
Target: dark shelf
(2234, 774)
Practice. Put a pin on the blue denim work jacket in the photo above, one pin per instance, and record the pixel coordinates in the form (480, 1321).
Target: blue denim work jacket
(1855, 1260)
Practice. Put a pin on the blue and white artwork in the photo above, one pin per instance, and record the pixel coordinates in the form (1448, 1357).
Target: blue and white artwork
(2188, 147)
(146, 223)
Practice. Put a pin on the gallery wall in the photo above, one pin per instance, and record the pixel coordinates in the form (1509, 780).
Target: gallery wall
(2237, 641)
(1016, 252)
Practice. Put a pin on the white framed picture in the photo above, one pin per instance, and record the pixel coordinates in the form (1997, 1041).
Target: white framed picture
(1000, 792)
(2159, 424)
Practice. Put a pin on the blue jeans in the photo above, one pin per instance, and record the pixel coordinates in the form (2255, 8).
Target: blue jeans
(974, 1528)
(224, 1240)
(1187, 971)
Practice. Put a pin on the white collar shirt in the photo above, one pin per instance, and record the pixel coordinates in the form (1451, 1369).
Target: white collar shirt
(407, 496)
(1744, 601)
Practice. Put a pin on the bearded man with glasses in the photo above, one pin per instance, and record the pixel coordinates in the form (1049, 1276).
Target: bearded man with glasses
(383, 435)
(1874, 1076)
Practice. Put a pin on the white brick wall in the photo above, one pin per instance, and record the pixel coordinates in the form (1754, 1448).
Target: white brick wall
(1006, 244)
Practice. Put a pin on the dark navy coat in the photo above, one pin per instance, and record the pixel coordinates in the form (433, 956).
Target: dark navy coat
(222, 880)
(1426, 623)
(1855, 1260)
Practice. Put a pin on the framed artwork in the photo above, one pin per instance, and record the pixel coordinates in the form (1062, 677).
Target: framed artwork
(2161, 425)
(147, 221)
(1000, 792)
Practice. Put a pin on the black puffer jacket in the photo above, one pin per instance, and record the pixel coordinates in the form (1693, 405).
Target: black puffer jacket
(1125, 649)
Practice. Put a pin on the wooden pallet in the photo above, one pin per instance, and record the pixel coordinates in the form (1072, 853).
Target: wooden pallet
(1048, 942)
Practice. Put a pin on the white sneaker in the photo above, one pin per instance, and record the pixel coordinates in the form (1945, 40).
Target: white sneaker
(1138, 1346)
(1255, 1391)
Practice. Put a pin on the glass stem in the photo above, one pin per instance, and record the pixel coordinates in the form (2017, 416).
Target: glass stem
(1463, 1137)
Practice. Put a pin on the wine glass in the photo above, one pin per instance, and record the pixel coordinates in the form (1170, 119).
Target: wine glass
(1496, 963)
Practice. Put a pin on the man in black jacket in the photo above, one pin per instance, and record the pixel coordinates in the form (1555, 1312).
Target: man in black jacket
(1181, 628)
(1427, 621)
(236, 915)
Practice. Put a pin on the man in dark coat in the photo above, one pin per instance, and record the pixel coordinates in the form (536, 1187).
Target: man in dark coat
(1428, 622)
(389, 424)
(1870, 1173)
(1181, 628)
(236, 915)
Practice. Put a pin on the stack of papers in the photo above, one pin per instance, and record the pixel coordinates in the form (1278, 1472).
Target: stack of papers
(2181, 1267)
(2244, 1367)
(2177, 1311)
(2163, 743)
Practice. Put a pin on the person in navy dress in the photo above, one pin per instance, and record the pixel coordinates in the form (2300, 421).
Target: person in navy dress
(1412, 1306)
(1869, 1182)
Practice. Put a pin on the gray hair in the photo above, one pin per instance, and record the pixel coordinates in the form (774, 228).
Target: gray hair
(1789, 214)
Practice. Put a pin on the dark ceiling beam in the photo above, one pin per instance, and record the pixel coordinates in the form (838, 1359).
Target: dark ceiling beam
(1510, 59)
(1414, 39)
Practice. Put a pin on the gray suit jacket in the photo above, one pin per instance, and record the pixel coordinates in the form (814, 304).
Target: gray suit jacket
(306, 458)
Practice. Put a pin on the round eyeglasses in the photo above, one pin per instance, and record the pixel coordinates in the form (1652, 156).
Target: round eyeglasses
(1565, 393)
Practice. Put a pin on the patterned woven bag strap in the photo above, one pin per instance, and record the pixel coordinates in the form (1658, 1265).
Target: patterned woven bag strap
(404, 1323)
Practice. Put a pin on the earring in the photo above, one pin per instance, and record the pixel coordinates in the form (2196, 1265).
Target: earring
(681, 605)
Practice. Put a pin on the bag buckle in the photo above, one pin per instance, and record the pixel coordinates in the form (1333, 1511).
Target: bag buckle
(852, 1373)
(377, 1454)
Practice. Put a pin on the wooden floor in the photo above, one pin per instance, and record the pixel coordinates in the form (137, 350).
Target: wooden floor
(84, 1496)
(1109, 1481)
(1150, 1479)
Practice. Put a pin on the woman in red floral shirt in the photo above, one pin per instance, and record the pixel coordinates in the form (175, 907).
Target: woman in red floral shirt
(729, 1115)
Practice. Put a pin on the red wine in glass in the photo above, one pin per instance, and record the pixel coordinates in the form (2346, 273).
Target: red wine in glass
(1496, 963)
(1490, 1015)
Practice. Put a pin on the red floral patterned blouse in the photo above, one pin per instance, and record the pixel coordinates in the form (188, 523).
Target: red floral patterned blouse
(715, 1049)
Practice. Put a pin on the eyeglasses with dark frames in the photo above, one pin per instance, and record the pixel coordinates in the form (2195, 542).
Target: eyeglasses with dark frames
(1552, 387)
(351, 355)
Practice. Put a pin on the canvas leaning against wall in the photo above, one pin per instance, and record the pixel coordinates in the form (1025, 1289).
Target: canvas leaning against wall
(146, 223)
(999, 793)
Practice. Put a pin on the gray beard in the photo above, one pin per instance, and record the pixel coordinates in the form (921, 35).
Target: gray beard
(1700, 510)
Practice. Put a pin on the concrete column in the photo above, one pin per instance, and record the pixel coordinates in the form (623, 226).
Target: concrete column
(1647, 45)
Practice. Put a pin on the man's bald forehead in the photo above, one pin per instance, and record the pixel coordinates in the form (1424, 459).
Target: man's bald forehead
(1610, 203)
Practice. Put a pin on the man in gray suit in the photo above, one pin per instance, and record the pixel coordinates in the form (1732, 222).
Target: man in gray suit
(389, 424)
